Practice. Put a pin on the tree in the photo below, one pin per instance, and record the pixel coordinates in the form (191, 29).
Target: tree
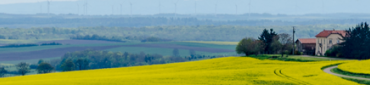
(249, 46)
(192, 53)
(40, 61)
(44, 68)
(2, 37)
(267, 38)
(2, 71)
(176, 52)
(68, 65)
(23, 68)
(356, 42)
(82, 64)
(276, 45)
(286, 43)
(333, 52)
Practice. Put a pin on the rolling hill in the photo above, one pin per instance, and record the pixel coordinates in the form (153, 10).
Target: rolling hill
(229, 70)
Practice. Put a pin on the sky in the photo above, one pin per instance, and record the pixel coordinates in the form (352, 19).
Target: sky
(149, 7)
(26, 1)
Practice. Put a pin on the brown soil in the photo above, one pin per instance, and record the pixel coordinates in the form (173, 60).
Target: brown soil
(171, 46)
(49, 53)
(79, 41)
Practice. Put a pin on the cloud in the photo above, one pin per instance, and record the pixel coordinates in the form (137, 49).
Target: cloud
(26, 1)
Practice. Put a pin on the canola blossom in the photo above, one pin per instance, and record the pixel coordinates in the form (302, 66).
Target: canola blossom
(219, 71)
(360, 67)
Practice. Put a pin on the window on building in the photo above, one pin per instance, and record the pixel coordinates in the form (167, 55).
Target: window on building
(330, 41)
(338, 41)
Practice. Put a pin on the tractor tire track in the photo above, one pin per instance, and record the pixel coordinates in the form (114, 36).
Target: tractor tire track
(280, 74)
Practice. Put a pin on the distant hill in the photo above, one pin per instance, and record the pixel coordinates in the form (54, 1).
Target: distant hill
(73, 20)
(150, 7)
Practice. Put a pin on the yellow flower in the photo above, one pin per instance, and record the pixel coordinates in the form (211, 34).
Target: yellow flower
(220, 71)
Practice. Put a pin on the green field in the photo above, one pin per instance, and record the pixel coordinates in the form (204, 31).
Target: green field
(125, 47)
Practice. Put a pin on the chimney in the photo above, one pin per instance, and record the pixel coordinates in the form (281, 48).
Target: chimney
(333, 29)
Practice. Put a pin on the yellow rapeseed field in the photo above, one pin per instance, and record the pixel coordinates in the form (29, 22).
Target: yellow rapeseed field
(220, 71)
(356, 67)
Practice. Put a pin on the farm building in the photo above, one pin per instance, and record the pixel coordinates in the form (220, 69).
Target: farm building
(306, 45)
(323, 42)
(328, 38)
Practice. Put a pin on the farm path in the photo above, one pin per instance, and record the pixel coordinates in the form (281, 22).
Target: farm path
(328, 70)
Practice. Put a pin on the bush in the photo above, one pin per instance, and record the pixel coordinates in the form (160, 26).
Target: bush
(33, 66)
(44, 68)
(274, 56)
(154, 39)
(249, 46)
(53, 43)
(333, 52)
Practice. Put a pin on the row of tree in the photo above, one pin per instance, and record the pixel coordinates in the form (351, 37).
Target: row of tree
(93, 59)
(24, 68)
(97, 37)
(269, 42)
(29, 45)
(356, 44)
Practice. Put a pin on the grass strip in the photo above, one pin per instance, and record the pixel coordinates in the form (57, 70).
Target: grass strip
(263, 57)
(339, 71)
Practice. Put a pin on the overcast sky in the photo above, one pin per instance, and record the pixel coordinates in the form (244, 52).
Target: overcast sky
(145, 7)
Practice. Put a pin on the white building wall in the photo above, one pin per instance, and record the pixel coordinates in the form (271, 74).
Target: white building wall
(327, 43)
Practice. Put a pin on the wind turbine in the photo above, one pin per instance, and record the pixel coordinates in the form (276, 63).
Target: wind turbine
(249, 14)
(159, 7)
(130, 8)
(236, 9)
(78, 9)
(323, 8)
(121, 8)
(85, 7)
(195, 8)
(112, 9)
(296, 6)
(216, 8)
(48, 6)
(176, 6)
(40, 7)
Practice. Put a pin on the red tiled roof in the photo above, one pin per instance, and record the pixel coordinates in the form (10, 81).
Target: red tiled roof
(326, 33)
(307, 40)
